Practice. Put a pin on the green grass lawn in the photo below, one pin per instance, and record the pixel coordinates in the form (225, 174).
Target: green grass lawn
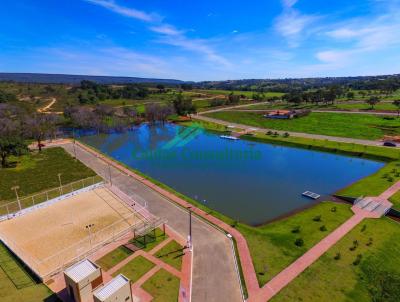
(151, 241)
(16, 284)
(340, 280)
(135, 268)
(272, 246)
(338, 105)
(362, 126)
(364, 106)
(37, 172)
(163, 286)
(171, 254)
(248, 94)
(376, 183)
(114, 257)
(395, 199)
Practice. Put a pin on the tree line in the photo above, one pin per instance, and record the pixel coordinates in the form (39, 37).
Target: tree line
(17, 125)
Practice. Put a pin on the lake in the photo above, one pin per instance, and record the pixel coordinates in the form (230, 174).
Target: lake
(248, 181)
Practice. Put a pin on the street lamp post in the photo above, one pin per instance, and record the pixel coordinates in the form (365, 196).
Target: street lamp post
(59, 180)
(109, 173)
(15, 188)
(89, 228)
(73, 135)
(190, 229)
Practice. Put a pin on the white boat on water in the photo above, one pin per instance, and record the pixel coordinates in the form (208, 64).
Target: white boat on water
(229, 137)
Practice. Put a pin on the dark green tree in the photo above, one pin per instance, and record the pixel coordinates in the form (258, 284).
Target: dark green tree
(11, 140)
(397, 104)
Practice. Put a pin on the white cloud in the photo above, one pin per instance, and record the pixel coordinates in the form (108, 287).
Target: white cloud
(289, 3)
(125, 11)
(196, 45)
(170, 34)
(166, 29)
(337, 57)
(362, 36)
(97, 60)
(292, 24)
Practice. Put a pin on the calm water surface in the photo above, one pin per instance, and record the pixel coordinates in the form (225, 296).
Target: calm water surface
(250, 182)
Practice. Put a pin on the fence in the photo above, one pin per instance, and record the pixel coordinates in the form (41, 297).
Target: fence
(33, 200)
(134, 224)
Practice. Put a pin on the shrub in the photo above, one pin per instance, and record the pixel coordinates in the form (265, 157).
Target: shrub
(276, 133)
(323, 228)
(317, 218)
(286, 134)
(269, 133)
(364, 227)
(334, 209)
(358, 260)
(337, 256)
(299, 242)
(370, 241)
(390, 179)
(355, 245)
(296, 229)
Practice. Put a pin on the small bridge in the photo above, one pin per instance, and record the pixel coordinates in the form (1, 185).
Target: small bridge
(375, 205)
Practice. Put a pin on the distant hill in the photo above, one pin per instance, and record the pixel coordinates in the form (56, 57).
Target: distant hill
(391, 82)
(44, 78)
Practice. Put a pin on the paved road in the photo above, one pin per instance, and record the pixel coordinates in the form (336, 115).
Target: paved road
(214, 275)
(233, 107)
(296, 134)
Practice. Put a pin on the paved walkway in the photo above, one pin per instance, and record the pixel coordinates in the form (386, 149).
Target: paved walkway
(214, 275)
(312, 255)
(296, 134)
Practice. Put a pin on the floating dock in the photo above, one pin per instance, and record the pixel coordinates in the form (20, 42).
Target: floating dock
(311, 195)
(229, 137)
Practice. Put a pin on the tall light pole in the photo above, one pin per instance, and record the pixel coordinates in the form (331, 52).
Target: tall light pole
(15, 188)
(89, 228)
(73, 135)
(109, 173)
(190, 229)
(59, 180)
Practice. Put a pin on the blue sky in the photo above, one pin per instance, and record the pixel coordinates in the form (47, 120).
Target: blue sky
(201, 40)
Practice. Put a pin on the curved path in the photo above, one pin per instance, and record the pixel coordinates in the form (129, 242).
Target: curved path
(47, 107)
